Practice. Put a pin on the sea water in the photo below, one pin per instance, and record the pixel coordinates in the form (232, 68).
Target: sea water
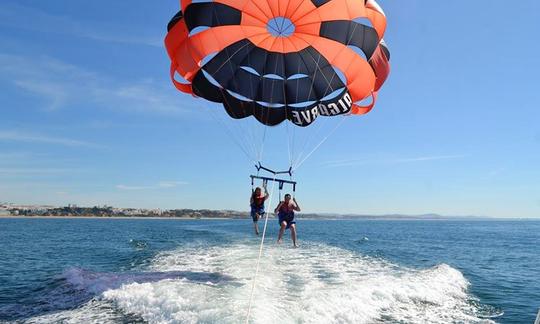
(201, 271)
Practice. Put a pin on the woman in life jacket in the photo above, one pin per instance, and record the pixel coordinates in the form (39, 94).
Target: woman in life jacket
(285, 211)
(257, 206)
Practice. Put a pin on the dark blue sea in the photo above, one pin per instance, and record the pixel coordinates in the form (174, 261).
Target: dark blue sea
(201, 271)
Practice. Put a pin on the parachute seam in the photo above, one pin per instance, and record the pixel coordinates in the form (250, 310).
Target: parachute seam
(262, 11)
(286, 108)
(284, 13)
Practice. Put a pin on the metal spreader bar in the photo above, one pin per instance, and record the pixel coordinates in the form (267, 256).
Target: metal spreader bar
(281, 182)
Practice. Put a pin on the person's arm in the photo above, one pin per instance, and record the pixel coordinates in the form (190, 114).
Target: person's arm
(278, 207)
(296, 206)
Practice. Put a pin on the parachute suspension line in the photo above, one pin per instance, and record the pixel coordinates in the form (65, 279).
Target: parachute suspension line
(254, 125)
(321, 142)
(320, 126)
(265, 214)
(239, 140)
(227, 129)
(260, 250)
(247, 142)
(309, 139)
(298, 70)
(265, 127)
(293, 145)
(288, 140)
(286, 110)
(263, 140)
(310, 90)
(243, 129)
(243, 147)
(266, 119)
(250, 136)
(301, 161)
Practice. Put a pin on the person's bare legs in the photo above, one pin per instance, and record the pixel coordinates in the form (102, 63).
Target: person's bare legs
(293, 234)
(281, 231)
(256, 225)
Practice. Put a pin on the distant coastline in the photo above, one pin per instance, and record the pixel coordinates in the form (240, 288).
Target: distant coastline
(108, 212)
(111, 217)
(8, 210)
(300, 216)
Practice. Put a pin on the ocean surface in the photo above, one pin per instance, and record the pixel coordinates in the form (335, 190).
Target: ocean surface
(201, 271)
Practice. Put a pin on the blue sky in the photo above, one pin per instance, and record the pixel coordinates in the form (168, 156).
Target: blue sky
(89, 116)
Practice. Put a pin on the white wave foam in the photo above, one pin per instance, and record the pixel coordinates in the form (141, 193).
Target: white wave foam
(93, 312)
(313, 284)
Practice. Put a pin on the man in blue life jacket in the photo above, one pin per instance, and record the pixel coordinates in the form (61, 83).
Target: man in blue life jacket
(285, 211)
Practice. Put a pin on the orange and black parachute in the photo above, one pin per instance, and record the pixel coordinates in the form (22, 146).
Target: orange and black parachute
(280, 59)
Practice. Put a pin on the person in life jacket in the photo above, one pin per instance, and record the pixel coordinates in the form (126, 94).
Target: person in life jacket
(285, 211)
(257, 206)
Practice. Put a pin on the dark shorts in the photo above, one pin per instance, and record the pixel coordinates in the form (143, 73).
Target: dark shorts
(255, 211)
(286, 217)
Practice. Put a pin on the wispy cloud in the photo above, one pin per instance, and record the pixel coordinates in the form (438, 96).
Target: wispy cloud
(357, 162)
(65, 85)
(18, 136)
(159, 185)
(171, 184)
(32, 19)
(55, 93)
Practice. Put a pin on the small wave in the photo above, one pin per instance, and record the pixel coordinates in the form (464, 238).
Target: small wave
(362, 240)
(138, 244)
(52, 295)
(99, 282)
(76, 288)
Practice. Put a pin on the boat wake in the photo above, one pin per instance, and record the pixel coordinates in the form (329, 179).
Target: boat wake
(314, 284)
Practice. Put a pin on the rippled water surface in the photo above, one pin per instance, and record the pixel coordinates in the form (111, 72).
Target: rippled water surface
(180, 271)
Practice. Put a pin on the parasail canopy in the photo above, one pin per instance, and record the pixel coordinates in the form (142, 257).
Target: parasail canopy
(280, 60)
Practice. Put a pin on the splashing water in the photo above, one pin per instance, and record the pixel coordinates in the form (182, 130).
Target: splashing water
(314, 284)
